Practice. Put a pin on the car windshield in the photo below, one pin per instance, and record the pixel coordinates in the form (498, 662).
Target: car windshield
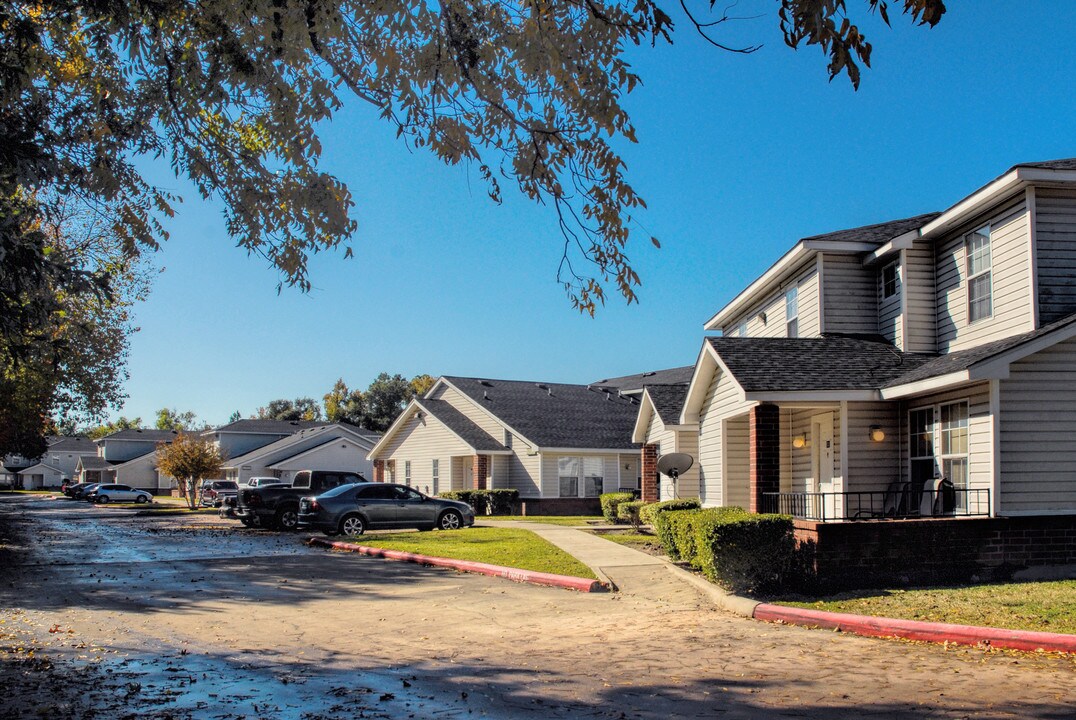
(338, 490)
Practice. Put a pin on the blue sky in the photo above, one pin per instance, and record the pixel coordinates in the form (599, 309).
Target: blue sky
(738, 157)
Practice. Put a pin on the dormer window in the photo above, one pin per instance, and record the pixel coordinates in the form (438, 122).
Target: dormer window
(890, 280)
(977, 252)
(792, 312)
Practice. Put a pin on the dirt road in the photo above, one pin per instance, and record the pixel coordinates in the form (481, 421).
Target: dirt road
(110, 615)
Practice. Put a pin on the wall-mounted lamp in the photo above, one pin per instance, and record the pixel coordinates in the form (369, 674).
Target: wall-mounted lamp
(799, 441)
(762, 317)
(876, 433)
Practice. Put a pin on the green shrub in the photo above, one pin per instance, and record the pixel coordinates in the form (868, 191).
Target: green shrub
(629, 512)
(744, 552)
(485, 502)
(650, 511)
(610, 501)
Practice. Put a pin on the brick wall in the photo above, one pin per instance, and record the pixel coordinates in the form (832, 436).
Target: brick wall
(560, 506)
(902, 552)
(649, 491)
(481, 471)
(764, 453)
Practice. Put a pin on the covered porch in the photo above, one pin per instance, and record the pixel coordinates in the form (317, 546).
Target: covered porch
(845, 460)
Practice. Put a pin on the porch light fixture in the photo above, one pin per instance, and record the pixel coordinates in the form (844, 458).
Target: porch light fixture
(876, 433)
(799, 441)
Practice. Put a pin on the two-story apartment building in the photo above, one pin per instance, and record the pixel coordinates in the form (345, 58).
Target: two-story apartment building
(921, 367)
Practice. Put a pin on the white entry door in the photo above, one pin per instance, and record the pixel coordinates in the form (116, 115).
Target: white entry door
(822, 452)
(467, 472)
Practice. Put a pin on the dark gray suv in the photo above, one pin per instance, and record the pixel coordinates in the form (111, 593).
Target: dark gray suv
(354, 509)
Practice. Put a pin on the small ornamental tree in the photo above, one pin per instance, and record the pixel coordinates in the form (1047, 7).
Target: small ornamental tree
(189, 460)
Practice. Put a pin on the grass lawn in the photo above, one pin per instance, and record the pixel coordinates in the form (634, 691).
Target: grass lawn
(639, 541)
(1042, 606)
(548, 519)
(497, 546)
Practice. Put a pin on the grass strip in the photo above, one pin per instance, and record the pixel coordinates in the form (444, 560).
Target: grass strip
(1048, 606)
(509, 547)
(569, 520)
(635, 540)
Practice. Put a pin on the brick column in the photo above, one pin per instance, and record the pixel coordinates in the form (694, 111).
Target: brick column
(379, 471)
(481, 471)
(765, 452)
(650, 474)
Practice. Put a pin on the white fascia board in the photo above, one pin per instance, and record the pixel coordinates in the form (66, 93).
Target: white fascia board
(292, 458)
(272, 447)
(812, 395)
(642, 418)
(686, 427)
(39, 465)
(901, 242)
(839, 246)
(762, 285)
(404, 417)
(1008, 184)
(700, 381)
(588, 451)
(942, 382)
(490, 415)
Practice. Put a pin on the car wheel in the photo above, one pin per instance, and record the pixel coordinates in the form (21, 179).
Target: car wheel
(450, 520)
(352, 525)
(287, 519)
(141, 499)
(102, 499)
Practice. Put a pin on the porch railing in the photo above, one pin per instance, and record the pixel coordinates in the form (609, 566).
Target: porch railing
(899, 504)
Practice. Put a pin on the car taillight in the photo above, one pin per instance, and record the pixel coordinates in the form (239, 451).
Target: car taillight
(314, 505)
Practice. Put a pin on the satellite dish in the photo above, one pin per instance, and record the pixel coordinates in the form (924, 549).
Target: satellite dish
(673, 464)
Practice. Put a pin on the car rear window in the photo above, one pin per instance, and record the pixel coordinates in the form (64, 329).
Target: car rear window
(338, 490)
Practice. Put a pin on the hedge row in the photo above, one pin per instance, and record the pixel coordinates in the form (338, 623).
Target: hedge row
(648, 513)
(611, 501)
(741, 551)
(485, 502)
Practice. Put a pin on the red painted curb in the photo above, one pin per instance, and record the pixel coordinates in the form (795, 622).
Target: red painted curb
(918, 630)
(523, 576)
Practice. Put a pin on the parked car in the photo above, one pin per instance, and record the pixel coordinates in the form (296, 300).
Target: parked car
(72, 490)
(278, 505)
(264, 481)
(79, 492)
(117, 493)
(214, 492)
(354, 509)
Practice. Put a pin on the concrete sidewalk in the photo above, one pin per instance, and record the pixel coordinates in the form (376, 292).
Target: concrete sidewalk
(634, 572)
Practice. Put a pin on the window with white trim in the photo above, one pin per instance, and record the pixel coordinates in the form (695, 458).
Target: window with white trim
(953, 427)
(407, 473)
(593, 476)
(436, 472)
(792, 312)
(977, 253)
(568, 472)
(890, 280)
(587, 473)
(921, 445)
(938, 446)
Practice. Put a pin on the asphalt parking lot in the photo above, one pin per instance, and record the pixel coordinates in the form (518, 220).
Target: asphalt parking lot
(110, 614)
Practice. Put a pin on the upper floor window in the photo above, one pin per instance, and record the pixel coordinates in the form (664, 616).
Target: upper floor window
(741, 329)
(977, 251)
(792, 312)
(890, 280)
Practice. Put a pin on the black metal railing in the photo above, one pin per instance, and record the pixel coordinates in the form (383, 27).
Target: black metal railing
(902, 503)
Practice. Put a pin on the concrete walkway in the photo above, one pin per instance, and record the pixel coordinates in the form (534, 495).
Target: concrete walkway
(632, 571)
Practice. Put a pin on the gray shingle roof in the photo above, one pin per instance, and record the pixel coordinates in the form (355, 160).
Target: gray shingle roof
(71, 444)
(878, 233)
(635, 383)
(556, 415)
(460, 424)
(94, 462)
(1060, 164)
(276, 427)
(830, 362)
(668, 401)
(142, 434)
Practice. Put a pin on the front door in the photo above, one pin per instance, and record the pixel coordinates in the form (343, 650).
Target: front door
(466, 473)
(822, 452)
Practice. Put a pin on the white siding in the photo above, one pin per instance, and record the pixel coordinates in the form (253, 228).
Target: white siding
(340, 454)
(1055, 245)
(921, 300)
(738, 462)
(688, 442)
(801, 470)
(890, 318)
(422, 441)
(551, 473)
(872, 466)
(656, 434)
(140, 473)
(1010, 258)
(773, 307)
(473, 413)
(1038, 424)
(849, 295)
(722, 401)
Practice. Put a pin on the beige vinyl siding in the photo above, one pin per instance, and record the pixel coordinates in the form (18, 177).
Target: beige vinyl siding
(551, 473)
(422, 441)
(524, 471)
(801, 469)
(980, 435)
(687, 441)
(473, 413)
(773, 307)
(1010, 258)
(1038, 425)
(140, 473)
(921, 299)
(890, 318)
(1055, 246)
(872, 466)
(722, 401)
(849, 295)
(656, 434)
